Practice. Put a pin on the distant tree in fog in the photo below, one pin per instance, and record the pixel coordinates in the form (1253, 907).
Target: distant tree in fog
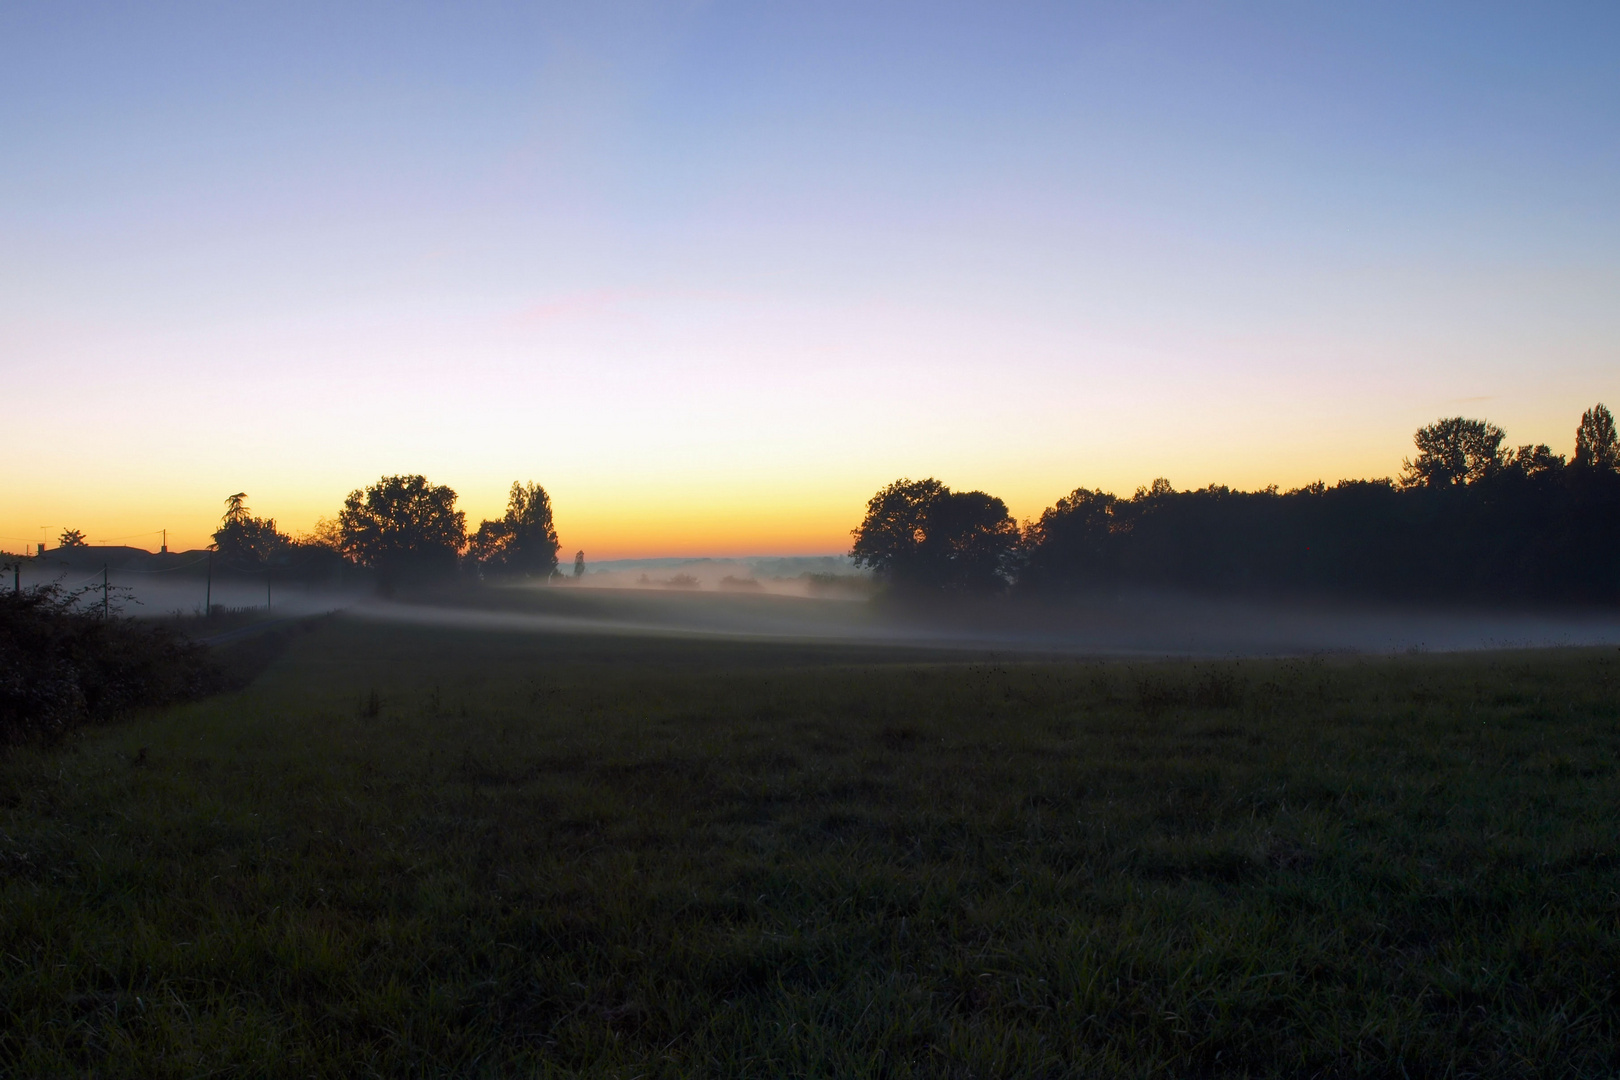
(1452, 452)
(524, 541)
(325, 533)
(579, 564)
(921, 534)
(71, 538)
(403, 526)
(243, 538)
(1595, 443)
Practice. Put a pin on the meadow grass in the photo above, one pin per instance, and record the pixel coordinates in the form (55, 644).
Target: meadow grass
(413, 851)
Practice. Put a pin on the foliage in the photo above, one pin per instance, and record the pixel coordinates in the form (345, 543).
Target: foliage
(403, 527)
(416, 852)
(524, 541)
(1595, 444)
(1069, 544)
(325, 533)
(244, 539)
(61, 667)
(1534, 460)
(921, 534)
(1454, 451)
(1470, 522)
(71, 538)
(315, 557)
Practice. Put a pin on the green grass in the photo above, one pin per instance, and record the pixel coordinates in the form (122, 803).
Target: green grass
(417, 852)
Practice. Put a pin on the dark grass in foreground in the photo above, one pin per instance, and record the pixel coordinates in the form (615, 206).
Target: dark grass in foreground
(405, 851)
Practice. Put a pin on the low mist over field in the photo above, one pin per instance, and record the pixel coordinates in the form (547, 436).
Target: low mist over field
(639, 599)
(1143, 624)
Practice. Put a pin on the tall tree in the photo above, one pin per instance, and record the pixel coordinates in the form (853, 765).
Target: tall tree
(524, 541)
(1454, 451)
(921, 534)
(243, 538)
(403, 526)
(1595, 443)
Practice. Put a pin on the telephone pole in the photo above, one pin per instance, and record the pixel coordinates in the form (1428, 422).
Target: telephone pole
(105, 614)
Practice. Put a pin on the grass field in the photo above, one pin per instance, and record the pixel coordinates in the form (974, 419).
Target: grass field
(413, 851)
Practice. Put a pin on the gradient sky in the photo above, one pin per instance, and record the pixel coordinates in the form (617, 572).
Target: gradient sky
(713, 273)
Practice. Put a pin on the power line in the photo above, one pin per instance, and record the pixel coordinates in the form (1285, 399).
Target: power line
(129, 536)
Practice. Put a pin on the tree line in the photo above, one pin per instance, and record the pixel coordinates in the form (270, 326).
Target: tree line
(1469, 519)
(401, 528)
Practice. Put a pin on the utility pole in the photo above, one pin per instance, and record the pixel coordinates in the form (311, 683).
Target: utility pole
(208, 593)
(268, 574)
(105, 614)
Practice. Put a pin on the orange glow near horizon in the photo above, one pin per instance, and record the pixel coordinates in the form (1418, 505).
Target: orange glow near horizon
(611, 518)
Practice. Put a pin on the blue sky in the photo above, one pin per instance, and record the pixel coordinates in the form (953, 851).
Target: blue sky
(714, 272)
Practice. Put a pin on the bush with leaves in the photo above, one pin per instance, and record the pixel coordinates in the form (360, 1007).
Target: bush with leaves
(62, 667)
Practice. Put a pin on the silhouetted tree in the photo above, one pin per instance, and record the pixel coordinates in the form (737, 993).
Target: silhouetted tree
(1160, 486)
(579, 564)
(1068, 544)
(1595, 443)
(921, 534)
(1454, 451)
(1535, 460)
(1470, 522)
(71, 538)
(403, 526)
(243, 538)
(524, 541)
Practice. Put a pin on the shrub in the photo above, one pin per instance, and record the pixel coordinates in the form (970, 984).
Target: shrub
(61, 667)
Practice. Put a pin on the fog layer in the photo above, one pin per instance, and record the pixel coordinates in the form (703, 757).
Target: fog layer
(1140, 623)
(1134, 624)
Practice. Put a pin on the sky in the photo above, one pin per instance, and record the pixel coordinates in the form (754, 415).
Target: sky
(713, 273)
